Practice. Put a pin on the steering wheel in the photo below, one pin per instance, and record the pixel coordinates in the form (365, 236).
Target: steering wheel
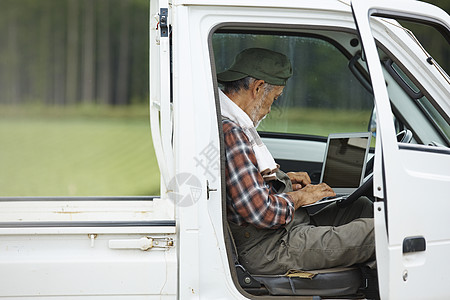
(404, 136)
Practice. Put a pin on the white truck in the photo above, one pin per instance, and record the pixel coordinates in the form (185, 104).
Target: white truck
(177, 245)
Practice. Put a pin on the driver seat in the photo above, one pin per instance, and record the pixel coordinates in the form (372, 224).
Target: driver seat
(336, 282)
(350, 282)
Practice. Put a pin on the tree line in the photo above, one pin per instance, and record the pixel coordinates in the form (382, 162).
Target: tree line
(74, 51)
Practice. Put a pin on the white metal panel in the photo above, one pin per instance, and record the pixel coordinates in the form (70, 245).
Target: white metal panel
(87, 230)
(412, 181)
(329, 4)
(165, 91)
(60, 248)
(71, 210)
(160, 106)
(62, 266)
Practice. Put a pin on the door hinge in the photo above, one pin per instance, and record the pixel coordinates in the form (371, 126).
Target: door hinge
(163, 22)
(208, 189)
(144, 243)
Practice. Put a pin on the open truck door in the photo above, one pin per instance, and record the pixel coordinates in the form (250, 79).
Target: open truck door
(410, 180)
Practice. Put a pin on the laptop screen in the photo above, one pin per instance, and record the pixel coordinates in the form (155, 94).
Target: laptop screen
(345, 160)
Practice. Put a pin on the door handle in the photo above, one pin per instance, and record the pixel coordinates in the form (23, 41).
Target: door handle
(414, 244)
(144, 243)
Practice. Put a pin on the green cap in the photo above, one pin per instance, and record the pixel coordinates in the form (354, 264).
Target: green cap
(270, 66)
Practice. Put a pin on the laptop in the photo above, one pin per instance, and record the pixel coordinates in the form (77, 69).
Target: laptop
(344, 163)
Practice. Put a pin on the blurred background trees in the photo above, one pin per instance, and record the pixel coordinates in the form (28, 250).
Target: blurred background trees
(74, 51)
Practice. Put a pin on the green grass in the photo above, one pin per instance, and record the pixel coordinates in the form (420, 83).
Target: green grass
(81, 151)
(316, 121)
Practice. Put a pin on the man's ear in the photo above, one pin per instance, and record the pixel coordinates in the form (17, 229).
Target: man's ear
(257, 87)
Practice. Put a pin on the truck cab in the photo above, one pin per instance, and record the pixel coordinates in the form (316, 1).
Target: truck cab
(356, 69)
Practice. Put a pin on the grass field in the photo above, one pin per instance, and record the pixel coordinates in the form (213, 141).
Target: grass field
(76, 152)
(316, 121)
(105, 151)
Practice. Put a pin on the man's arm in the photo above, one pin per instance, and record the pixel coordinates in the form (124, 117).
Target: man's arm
(248, 197)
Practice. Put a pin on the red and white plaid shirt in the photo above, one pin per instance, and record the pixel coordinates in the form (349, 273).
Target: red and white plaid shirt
(250, 200)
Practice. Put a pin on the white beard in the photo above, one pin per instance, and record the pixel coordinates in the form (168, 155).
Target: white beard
(254, 114)
(259, 122)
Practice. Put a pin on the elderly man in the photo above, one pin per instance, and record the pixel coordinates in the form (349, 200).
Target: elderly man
(272, 230)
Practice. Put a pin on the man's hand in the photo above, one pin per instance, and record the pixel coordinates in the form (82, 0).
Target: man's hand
(299, 179)
(310, 194)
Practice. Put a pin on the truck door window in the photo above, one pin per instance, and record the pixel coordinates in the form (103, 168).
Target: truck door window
(436, 45)
(432, 41)
(430, 111)
(413, 105)
(321, 97)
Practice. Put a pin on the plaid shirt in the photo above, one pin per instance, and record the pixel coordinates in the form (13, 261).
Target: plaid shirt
(250, 200)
